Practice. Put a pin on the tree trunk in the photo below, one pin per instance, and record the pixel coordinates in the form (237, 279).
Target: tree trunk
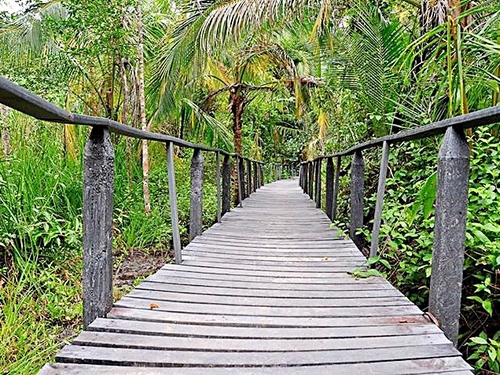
(125, 113)
(5, 130)
(142, 112)
(237, 102)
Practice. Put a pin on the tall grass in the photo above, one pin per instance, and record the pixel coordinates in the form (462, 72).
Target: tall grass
(41, 231)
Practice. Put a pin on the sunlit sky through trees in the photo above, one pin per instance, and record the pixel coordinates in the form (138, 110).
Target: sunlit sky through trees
(9, 5)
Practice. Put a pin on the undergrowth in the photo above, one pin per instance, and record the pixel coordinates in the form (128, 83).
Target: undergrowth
(41, 231)
(407, 233)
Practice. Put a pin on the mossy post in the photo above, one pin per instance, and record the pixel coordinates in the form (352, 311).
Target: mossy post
(255, 184)
(330, 170)
(196, 206)
(310, 174)
(449, 232)
(336, 187)
(174, 213)
(226, 185)
(98, 186)
(377, 220)
(318, 183)
(357, 190)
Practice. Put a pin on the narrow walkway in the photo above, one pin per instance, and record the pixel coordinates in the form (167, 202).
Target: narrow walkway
(267, 287)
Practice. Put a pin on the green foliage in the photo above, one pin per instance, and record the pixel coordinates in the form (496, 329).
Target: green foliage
(407, 233)
(485, 351)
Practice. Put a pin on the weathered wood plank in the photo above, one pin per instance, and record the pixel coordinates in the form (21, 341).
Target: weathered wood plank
(207, 331)
(154, 342)
(146, 314)
(351, 301)
(299, 312)
(134, 357)
(408, 367)
(269, 284)
(230, 290)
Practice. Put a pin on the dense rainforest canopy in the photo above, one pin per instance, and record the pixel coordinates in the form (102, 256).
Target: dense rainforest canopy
(276, 80)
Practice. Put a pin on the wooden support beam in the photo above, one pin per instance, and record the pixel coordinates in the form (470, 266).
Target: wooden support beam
(218, 186)
(98, 186)
(241, 179)
(172, 191)
(329, 188)
(196, 206)
(377, 221)
(336, 187)
(255, 184)
(310, 173)
(449, 232)
(357, 190)
(226, 185)
(249, 178)
(318, 183)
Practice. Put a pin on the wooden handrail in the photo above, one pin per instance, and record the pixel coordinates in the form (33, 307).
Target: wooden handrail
(98, 187)
(451, 203)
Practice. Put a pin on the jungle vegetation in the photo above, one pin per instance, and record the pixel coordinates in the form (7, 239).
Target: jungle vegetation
(281, 81)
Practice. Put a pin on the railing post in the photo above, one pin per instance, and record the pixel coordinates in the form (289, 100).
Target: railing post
(449, 232)
(241, 182)
(377, 220)
(226, 185)
(98, 186)
(311, 179)
(262, 180)
(218, 186)
(329, 188)
(172, 191)
(318, 183)
(357, 189)
(249, 178)
(336, 187)
(301, 176)
(196, 207)
(255, 184)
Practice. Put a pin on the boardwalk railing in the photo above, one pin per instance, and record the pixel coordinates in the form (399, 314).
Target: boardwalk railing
(98, 188)
(451, 203)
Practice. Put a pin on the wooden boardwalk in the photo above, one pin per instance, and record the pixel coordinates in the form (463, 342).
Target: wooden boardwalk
(267, 287)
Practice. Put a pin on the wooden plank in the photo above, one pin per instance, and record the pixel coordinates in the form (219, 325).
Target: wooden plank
(279, 254)
(262, 267)
(273, 285)
(134, 357)
(455, 365)
(208, 331)
(259, 321)
(267, 311)
(247, 270)
(350, 301)
(231, 290)
(154, 342)
(305, 260)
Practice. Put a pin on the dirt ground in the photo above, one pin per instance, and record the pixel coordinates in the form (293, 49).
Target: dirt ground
(137, 264)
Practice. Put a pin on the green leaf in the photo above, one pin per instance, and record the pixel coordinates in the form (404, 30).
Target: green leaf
(476, 298)
(492, 354)
(491, 227)
(385, 263)
(479, 341)
(480, 235)
(488, 307)
(428, 195)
